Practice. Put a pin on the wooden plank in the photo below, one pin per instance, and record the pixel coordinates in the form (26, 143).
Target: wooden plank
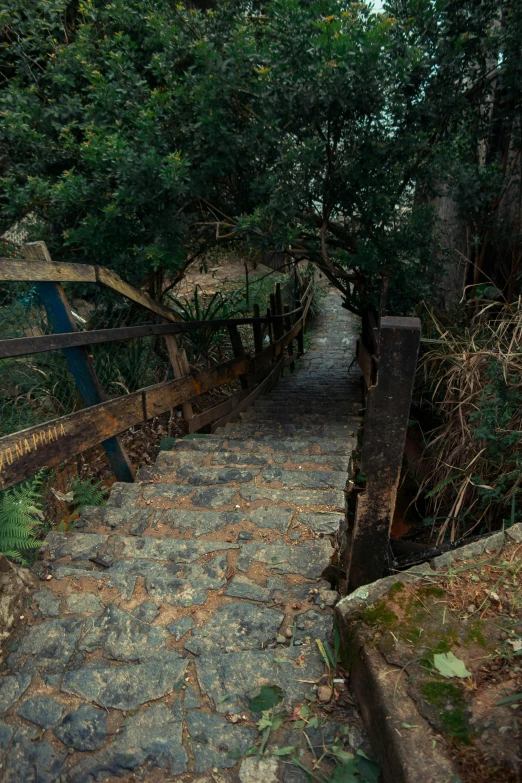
(270, 325)
(21, 346)
(385, 425)
(217, 411)
(258, 331)
(307, 292)
(364, 360)
(78, 360)
(276, 348)
(290, 347)
(307, 307)
(16, 269)
(238, 350)
(24, 453)
(373, 331)
(111, 280)
(179, 369)
(275, 322)
(279, 305)
(267, 384)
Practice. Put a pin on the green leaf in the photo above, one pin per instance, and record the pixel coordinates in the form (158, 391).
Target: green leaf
(286, 751)
(277, 721)
(304, 712)
(166, 444)
(450, 666)
(341, 754)
(509, 699)
(346, 773)
(268, 697)
(370, 771)
(441, 485)
(265, 722)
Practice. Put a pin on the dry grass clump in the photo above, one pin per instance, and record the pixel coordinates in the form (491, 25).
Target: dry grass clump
(472, 377)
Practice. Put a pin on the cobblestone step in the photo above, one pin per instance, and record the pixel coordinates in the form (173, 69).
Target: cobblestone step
(275, 430)
(276, 476)
(179, 458)
(251, 523)
(267, 445)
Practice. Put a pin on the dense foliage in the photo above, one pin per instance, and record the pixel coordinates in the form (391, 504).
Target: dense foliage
(140, 133)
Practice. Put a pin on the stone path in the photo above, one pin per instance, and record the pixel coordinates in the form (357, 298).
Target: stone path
(164, 612)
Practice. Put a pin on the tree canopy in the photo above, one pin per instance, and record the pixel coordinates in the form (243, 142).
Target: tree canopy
(140, 133)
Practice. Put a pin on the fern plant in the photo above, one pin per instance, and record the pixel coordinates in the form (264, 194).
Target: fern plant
(21, 516)
(86, 493)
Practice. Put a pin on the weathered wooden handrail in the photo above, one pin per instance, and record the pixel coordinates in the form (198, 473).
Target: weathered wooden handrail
(386, 420)
(44, 270)
(22, 346)
(24, 453)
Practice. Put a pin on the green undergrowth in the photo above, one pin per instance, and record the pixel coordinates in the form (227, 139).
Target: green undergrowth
(314, 759)
(23, 521)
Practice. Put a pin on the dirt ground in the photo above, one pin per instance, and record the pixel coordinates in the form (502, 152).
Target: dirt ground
(474, 613)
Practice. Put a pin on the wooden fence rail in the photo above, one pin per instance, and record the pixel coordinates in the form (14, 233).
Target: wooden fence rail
(388, 362)
(24, 453)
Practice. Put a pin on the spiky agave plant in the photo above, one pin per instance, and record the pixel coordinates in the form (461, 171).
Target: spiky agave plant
(201, 341)
(21, 516)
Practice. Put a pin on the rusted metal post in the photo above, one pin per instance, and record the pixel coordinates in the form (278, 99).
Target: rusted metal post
(385, 425)
(78, 359)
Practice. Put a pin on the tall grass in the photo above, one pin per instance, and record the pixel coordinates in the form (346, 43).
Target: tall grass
(472, 378)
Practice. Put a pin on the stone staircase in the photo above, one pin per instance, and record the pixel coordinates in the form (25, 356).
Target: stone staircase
(166, 610)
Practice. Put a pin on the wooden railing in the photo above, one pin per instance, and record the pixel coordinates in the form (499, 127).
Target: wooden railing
(387, 355)
(24, 453)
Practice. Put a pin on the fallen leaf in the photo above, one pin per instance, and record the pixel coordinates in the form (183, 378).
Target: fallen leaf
(450, 666)
(268, 696)
(516, 644)
(287, 751)
(65, 498)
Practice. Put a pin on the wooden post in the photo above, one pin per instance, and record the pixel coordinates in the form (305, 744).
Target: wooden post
(237, 348)
(288, 326)
(180, 368)
(269, 326)
(385, 425)
(276, 325)
(78, 359)
(258, 331)
(279, 302)
(300, 341)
